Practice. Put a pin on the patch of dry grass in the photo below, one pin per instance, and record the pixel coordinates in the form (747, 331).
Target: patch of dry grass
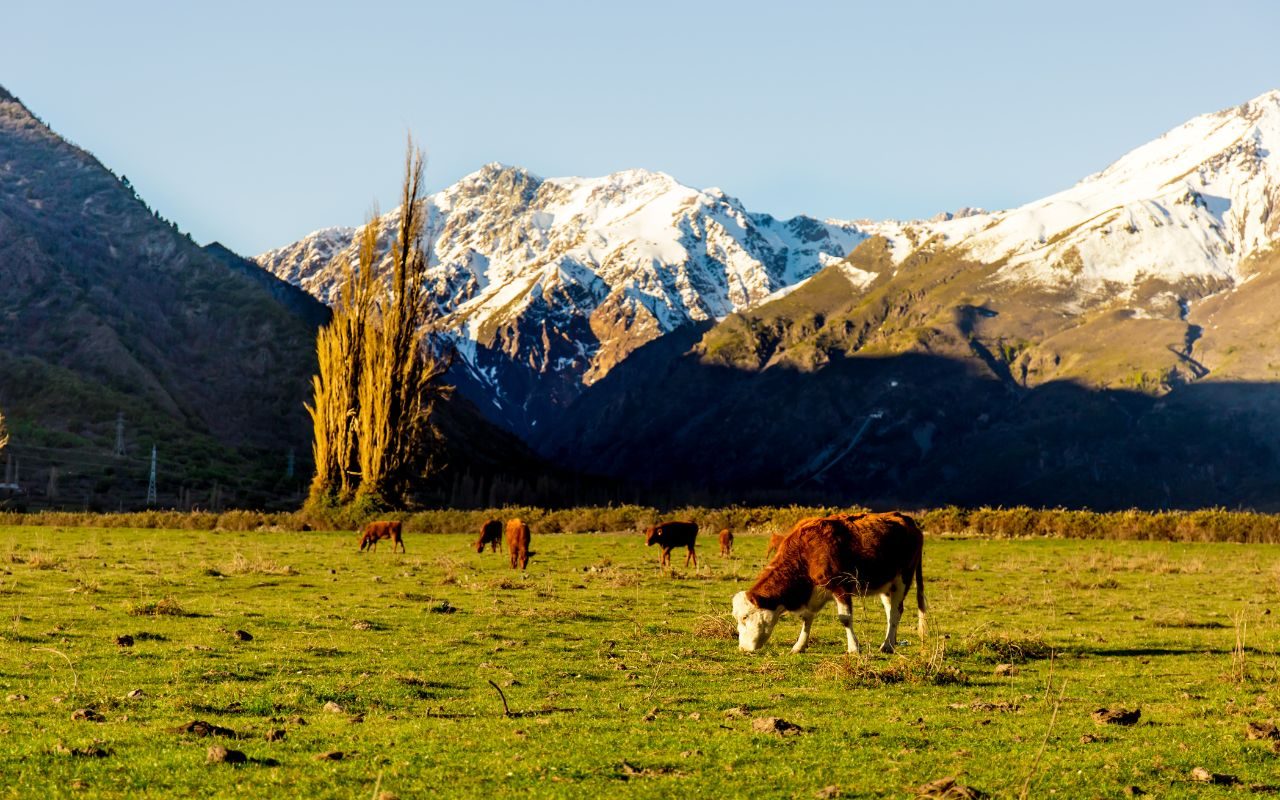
(165, 607)
(242, 565)
(713, 626)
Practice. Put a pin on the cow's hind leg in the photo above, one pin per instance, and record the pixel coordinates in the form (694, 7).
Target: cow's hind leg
(844, 613)
(892, 599)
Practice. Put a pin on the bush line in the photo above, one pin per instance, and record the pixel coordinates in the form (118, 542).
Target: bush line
(1205, 525)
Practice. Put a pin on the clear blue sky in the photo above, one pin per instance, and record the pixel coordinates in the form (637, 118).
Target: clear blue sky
(254, 123)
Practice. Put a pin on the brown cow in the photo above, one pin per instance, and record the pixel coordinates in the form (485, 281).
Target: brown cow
(775, 541)
(376, 531)
(490, 534)
(726, 542)
(837, 557)
(670, 535)
(518, 543)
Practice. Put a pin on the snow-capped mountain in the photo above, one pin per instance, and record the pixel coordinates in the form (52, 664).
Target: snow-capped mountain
(567, 276)
(1195, 203)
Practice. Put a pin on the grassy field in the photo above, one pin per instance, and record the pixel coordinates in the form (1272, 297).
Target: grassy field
(621, 681)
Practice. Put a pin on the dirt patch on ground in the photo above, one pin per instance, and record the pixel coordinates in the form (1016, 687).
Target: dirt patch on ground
(775, 725)
(1117, 716)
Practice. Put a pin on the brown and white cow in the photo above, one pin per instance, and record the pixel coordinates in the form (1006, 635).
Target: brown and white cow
(726, 542)
(377, 531)
(518, 543)
(838, 557)
(670, 535)
(490, 534)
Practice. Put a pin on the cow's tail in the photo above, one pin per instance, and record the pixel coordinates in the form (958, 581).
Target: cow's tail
(921, 607)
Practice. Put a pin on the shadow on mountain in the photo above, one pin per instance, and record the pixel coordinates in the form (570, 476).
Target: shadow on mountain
(914, 429)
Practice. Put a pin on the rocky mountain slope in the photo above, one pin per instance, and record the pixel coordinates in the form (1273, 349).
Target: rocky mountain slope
(108, 309)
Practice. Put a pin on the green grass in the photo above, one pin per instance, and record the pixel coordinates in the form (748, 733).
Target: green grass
(622, 681)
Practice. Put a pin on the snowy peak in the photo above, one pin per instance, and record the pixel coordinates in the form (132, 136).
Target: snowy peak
(1195, 202)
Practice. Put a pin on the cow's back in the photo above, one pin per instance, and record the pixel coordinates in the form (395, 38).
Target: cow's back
(866, 550)
(678, 534)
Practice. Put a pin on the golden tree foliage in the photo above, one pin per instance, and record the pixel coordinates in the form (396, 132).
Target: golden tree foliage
(377, 379)
(399, 375)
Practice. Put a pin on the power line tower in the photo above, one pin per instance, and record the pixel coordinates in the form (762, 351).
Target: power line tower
(151, 482)
(119, 435)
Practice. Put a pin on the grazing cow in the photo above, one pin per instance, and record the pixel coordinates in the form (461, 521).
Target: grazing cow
(843, 556)
(376, 531)
(775, 541)
(726, 542)
(670, 535)
(518, 543)
(490, 534)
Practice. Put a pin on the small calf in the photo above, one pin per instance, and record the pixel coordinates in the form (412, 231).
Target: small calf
(837, 557)
(670, 535)
(518, 543)
(490, 534)
(376, 531)
(726, 542)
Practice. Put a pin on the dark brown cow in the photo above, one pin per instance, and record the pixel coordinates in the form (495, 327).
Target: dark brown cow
(670, 535)
(376, 531)
(490, 534)
(726, 542)
(839, 557)
(518, 543)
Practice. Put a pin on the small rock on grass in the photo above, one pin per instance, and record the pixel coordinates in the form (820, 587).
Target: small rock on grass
(92, 751)
(201, 728)
(124, 641)
(1133, 791)
(276, 735)
(135, 694)
(242, 636)
(827, 792)
(948, 789)
(1205, 776)
(1117, 716)
(220, 755)
(86, 715)
(333, 708)
(1089, 738)
(332, 755)
(737, 711)
(1003, 670)
(775, 725)
(17, 698)
(1261, 730)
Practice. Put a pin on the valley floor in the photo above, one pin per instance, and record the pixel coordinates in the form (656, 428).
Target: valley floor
(622, 681)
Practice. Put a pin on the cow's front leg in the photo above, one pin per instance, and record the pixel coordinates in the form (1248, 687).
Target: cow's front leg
(892, 600)
(844, 613)
(803, 641)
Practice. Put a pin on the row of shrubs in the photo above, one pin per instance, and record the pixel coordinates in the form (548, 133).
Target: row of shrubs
(1206, 525)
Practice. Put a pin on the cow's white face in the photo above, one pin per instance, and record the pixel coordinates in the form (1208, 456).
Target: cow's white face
(755, 624)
